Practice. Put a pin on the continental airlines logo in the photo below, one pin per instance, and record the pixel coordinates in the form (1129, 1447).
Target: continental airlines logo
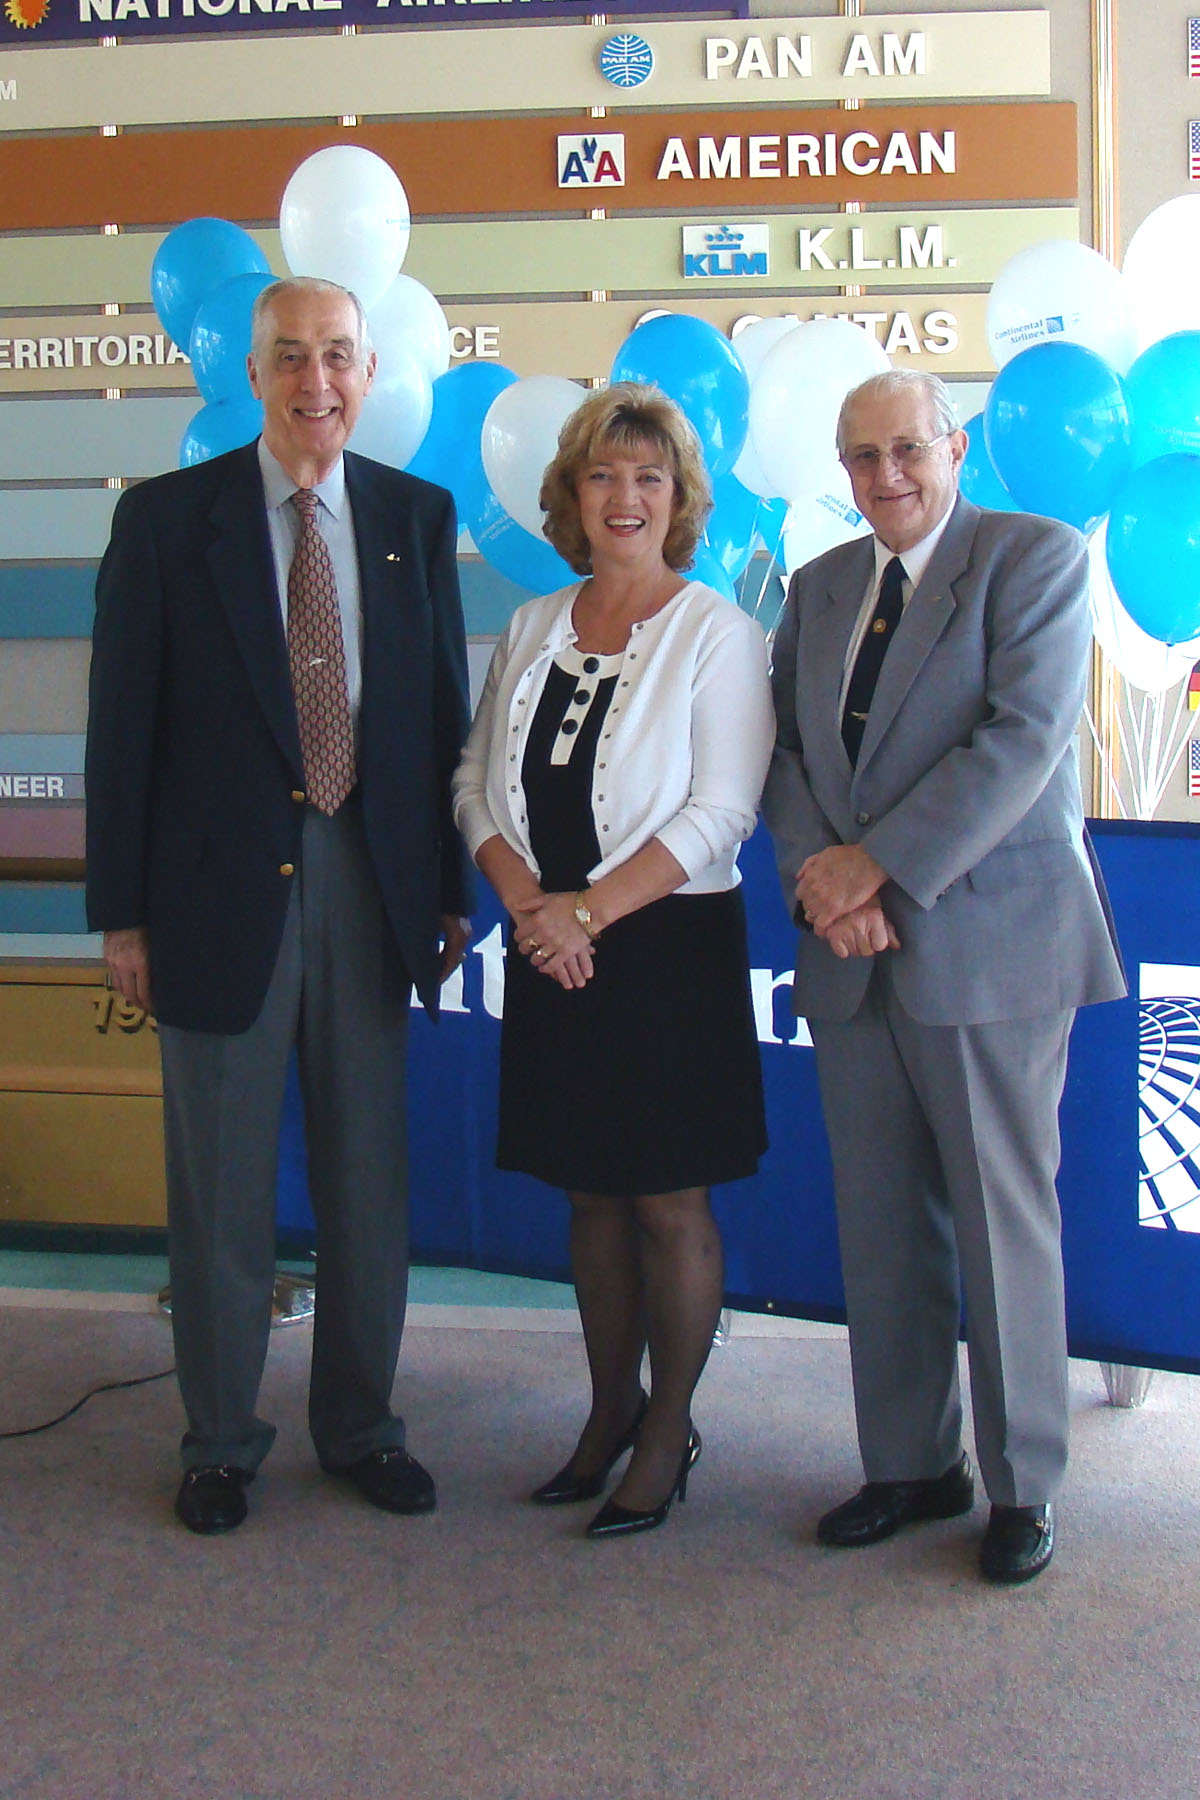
(1169, 1097)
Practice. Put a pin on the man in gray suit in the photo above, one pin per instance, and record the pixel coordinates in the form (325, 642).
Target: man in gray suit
(924, 800)
(278, 702)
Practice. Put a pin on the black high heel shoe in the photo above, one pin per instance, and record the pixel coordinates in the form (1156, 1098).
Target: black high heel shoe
(563, 1489)
(614, 1520)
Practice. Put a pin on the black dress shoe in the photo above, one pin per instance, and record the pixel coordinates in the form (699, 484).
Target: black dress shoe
(212, 1499)
(564, 1488)
(881, 1507)
(615, 1520)
(390, 1479)
(1018, 1542)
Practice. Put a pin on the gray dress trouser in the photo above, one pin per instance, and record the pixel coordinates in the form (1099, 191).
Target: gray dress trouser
(945, 1145)
(339, 994)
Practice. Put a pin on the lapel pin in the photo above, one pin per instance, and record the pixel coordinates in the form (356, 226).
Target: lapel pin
(392, 557)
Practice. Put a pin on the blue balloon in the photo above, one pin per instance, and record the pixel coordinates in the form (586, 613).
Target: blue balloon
(1154, 547)
(739, 522)
(220, 426)
(450, 452)
(701, 371)
(772, 520)
(220, 340)
(707, 567)
(1057, 430)
(978, 478)
(732, 524)
(1163, 388)
(507, 546)
(191, 262)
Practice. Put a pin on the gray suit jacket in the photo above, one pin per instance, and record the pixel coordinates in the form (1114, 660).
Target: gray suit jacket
(966, 788)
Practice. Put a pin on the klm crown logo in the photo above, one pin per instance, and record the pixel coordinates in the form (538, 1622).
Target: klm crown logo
(721, 251)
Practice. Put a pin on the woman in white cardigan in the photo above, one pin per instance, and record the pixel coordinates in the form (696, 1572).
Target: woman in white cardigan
(613, 768)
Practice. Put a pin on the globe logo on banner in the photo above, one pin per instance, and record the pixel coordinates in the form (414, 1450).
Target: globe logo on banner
(1169, 1098)
(626, 60)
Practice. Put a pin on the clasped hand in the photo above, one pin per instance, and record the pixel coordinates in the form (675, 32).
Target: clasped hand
(836, 889)
(547, 931)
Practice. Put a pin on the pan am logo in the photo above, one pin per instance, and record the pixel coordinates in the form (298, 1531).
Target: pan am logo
(1169, 1097)
(592, 161)
(722, 250)
(626, 60)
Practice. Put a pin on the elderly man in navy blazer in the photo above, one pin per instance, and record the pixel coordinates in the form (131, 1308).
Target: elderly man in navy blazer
(278, 701)
(924, 798)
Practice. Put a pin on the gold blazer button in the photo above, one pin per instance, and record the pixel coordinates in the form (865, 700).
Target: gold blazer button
(287, 868)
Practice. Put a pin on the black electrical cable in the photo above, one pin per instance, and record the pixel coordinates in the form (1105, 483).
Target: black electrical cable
(107, 1387)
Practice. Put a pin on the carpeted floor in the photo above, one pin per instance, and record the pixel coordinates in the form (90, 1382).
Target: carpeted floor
(490, 1653)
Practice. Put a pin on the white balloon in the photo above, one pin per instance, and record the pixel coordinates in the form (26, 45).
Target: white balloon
(396, 413)
(1162, 270)
(818, 523)
(1146, 663)
(750, 472)
(752, 345)
(345, 217)
(410, 318)
(1061, 291)
(796, 396)
(753, 342)
(519, 438)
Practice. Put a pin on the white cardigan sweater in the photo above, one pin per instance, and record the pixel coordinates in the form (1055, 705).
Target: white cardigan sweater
(684, 748)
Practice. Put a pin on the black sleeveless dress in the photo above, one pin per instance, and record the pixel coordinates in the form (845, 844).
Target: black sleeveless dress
(648, 1079)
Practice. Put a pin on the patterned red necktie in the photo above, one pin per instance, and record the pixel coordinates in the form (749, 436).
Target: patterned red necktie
(318, 662)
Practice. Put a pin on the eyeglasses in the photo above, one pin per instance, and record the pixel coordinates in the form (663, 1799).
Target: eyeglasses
(906, 454)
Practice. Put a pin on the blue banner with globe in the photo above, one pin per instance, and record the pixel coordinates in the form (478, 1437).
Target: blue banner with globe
(1130, 1179)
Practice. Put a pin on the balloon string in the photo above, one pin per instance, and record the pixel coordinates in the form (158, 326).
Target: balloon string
(1177, 742)
(1106, 769)
(769, 576)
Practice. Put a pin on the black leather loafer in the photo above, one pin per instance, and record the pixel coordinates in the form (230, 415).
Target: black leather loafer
(390, 1479)
(1018, 1542)
(881, 1507)
(212, 1499)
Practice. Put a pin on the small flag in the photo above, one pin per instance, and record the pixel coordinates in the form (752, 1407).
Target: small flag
(1194, 48)
(1194, 688)
(1194, 149)
(1194, 769)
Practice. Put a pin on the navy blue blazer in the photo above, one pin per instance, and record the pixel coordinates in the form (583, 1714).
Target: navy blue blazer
(194, 776)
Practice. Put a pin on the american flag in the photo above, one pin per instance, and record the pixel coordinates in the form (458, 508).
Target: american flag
(1194, 48)
(1194, 769)
(1194, 149)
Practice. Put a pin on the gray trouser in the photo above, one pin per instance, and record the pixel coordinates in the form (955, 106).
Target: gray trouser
(339, 994)
(945, 1147)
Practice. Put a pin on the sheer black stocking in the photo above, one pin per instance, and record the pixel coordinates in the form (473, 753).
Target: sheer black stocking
(647, 1270)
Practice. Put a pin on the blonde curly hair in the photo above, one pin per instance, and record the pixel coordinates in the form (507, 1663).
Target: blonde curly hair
(617, 418)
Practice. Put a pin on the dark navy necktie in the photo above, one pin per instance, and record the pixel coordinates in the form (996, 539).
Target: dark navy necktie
(860, 690)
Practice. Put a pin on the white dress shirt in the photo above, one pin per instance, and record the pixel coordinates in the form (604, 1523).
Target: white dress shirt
(915, 561)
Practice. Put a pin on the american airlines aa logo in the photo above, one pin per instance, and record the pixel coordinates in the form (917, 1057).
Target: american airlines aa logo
(592, 162)
(1169, 1097)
